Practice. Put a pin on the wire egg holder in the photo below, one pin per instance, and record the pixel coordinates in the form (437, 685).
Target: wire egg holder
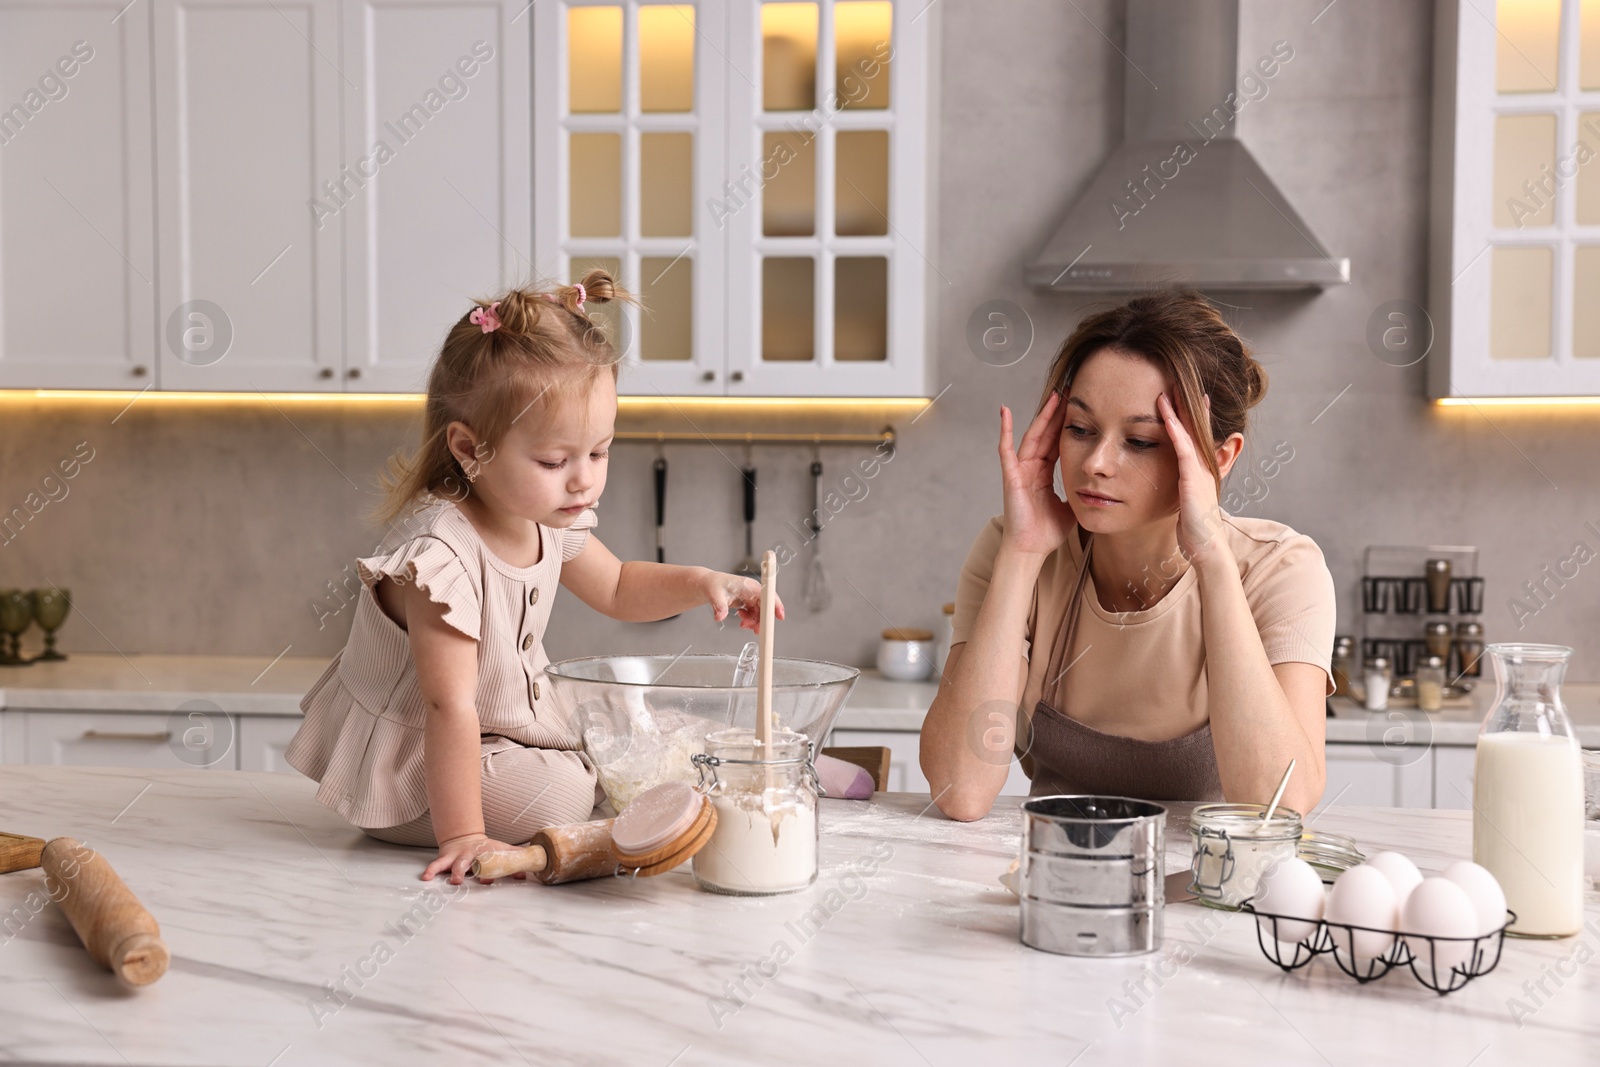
(1483, 958)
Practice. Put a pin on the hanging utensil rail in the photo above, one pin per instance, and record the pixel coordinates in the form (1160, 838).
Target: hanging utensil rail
(885, 436)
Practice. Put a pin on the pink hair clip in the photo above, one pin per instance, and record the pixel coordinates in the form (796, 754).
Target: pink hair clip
(582, 295)
(488, 318)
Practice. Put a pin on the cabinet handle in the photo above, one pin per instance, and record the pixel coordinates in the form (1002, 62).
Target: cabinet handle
(325, 372)
(353, 372)
(140, 370)
(708, 376)
(737, 376)
(155, 736)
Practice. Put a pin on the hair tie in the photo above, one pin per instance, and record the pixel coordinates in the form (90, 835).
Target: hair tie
(488, 318)
(582, 294)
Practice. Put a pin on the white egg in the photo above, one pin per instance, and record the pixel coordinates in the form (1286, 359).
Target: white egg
(1439, 908)
(1488, 899)
(1400, 871)
(1290, 887)
(1362, 896)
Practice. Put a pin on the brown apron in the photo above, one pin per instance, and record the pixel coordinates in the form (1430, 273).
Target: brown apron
(1069, 757)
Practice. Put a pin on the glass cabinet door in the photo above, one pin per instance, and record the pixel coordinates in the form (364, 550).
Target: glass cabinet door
(826, 201)
(626, 132)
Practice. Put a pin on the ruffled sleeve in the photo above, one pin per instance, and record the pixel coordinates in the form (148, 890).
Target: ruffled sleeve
(574, 537)
(433, 566)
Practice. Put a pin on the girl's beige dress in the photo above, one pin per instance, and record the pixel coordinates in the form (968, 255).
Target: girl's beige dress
(362, 734)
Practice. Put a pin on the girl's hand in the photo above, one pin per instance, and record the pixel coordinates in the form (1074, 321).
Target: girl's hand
(1037, 521)
(456, 856)
(729, 592)
(1197, 489)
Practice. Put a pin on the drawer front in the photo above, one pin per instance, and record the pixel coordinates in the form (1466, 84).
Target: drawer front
(116, 739)
(262, 740)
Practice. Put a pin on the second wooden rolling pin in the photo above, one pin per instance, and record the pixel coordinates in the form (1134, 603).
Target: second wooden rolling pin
(116, 929)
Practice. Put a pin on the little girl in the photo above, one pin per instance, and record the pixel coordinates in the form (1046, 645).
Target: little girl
(434, 726)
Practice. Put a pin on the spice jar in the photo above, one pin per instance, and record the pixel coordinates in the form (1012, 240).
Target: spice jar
(765, 838)
(1377, 677)
(1344, 661)
(1436, 635)
(1469, 648)
(1234, 846)
(1437, 574)
(1430, 683)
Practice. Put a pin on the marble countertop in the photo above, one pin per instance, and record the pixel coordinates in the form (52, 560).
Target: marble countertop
(296, 940)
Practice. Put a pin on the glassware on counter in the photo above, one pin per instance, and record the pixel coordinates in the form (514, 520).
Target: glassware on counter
(1377, 677)
(1233, 846)
(765, 838)
(16, 613)
(1430, 683)
(50, 607)
(1528, 794)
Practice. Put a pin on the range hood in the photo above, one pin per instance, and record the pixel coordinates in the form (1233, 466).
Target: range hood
(1182, 200)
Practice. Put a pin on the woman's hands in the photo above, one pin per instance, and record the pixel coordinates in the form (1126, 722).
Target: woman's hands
(457, 853)
(1037, 522)
(729, 592)
(1198, 528)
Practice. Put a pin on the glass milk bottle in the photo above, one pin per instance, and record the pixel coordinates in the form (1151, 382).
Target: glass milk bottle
(1527, 792)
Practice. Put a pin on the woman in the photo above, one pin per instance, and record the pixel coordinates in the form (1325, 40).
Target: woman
(1189, 659)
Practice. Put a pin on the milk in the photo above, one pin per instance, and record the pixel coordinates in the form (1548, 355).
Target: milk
(1527, 827)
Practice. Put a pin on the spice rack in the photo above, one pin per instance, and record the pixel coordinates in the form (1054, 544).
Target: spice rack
(1397, 604)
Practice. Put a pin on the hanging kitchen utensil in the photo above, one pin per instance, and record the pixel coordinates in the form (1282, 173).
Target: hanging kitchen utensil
(659, 468)
(818, 595)
(750, 567)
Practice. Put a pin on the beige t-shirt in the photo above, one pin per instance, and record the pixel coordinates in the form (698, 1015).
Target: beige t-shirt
(1142, 674)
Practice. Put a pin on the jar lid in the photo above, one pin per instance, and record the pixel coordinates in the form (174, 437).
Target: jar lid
(1437, 627)
(1469, 629)
(950, 608)
(1439, 565)
(1245, 821)
(1378, 663)
(655, 817)
(1433, 661)
(905, 633)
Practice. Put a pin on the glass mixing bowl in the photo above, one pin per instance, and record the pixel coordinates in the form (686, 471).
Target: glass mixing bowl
(642, 718)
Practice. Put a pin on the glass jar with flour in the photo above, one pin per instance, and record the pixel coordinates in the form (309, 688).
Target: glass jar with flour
(765, 838)
(1233, 847)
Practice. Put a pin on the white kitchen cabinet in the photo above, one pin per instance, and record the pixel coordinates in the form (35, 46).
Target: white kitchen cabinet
(77, 293)
(125, 739)
(263, 740)
(1366, 776)
(1452, 776)
(433, 182)
(1514, 287)
(758, 174)
(247, 100)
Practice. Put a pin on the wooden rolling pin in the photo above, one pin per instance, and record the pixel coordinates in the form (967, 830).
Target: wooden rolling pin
(116, 929)
(556, 854)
